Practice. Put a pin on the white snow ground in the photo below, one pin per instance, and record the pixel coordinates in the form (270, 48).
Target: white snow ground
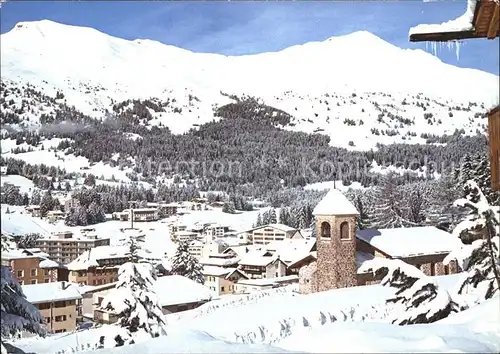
(303, 323)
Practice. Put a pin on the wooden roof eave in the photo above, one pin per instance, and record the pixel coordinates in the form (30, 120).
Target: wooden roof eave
(485, 11)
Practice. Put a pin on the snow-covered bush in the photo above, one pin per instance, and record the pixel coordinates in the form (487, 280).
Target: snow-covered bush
(417, 299)
(187, 265)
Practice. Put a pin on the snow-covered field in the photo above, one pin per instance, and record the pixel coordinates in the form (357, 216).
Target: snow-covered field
(343, 321)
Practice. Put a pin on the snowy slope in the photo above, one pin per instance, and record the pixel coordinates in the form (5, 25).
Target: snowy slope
(356, 76)
(304, 323)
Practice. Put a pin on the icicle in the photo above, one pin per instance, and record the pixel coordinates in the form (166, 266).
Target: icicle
(457, 49)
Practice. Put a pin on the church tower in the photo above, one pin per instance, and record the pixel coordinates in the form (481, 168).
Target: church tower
(335, 242)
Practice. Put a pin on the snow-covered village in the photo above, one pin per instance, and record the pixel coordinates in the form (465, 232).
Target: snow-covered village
(268, 177)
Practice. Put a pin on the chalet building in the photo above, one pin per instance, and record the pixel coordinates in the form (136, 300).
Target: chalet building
(341, 249)
(262, 264)
(263, 235)
(175, 294)
(245, 286)
(30, 268)
(63, 247)
(34, 210)
(98, 265)
(59, 303)
(223, 280)
(213, 232)
(215, 247)
(485, 24)
(70, 203)
(54, 215)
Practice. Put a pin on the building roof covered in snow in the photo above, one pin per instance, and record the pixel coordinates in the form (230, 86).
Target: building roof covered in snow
(258, 258)
(478, 21)
(281, 227)
(48, 292)
(176, 289)
(91, 257)
(47, 263)
(335, 203)
(290, 250)
(411, 241)
(219, 261)
(269, 281)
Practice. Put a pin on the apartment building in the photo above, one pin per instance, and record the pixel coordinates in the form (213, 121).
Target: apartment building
(98, 265)
(196, 248)
(139, 215)
(59, 303)
(34, 210)
(186, 236)
(63, 247)
(175, 227)
(169, 209)
(263, 235)
(29, 268)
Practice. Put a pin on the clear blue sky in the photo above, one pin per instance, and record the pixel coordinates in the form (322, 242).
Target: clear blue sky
(237, 28)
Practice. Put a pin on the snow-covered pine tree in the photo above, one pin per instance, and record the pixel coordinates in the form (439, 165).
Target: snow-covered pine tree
(389, 205)
(416, 200)
(46, 203)
(185, 264)
(16, 312)
(480, 260)
(136, 305)
(418, 298)
(134, 299)
(284, 216)
(482, 218)
(272, 216)
(360, 199)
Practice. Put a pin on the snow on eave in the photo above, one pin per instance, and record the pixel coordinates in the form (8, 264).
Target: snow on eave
(462, 23)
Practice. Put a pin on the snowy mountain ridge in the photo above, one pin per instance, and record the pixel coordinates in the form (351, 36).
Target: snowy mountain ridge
(319, 83)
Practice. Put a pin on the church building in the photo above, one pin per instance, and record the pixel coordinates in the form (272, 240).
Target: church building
(341, 248)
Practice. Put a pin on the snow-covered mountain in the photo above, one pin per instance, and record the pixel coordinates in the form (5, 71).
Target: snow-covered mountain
(339, 87)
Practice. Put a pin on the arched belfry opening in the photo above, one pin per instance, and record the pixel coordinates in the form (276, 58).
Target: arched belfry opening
(326, 230)
(344, 231)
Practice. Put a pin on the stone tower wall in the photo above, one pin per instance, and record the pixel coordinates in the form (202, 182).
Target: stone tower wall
(336, 264)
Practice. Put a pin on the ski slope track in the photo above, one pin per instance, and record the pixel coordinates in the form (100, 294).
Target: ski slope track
(320, 84)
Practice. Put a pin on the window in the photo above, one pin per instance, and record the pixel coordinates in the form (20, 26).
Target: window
(277, 274)
(433, 269)
(446, 269)
(33, 281)
(20, 273)
(60, 330)
(222, 289)
(47, 272)
(60, 304)
(46, 280)
(47, 319)
(61, 318)
(325, 230)
(344, 231)
(33, 272)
